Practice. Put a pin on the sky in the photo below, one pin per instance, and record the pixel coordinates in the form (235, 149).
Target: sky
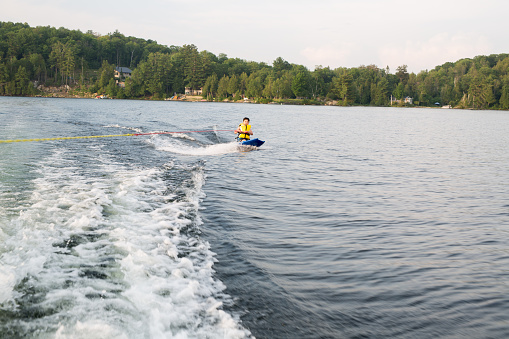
(340, 33)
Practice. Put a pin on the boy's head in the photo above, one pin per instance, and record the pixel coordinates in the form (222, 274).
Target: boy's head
(246, 121)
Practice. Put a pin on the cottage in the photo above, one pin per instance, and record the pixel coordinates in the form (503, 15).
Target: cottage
(122, 72)
(191, 91)
(405, 100)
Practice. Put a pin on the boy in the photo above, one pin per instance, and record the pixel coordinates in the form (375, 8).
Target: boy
(244, 130)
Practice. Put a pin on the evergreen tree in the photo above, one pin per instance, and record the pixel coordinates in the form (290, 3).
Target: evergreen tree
(194, 73)
(22, 82)
(210, 87)
(343, 88)
(233, 85)
(222, 87)
(284, 85)
(382, 92)
(4, 78)
(111, 89)
(39, 65)
(319, 79)
(269, 88)
(504, 98)
(402, 74)
(399, 92)
(57, 57)
(254, 86)
(107, 72)
(69, 61)
(243, 83)
(279, 65)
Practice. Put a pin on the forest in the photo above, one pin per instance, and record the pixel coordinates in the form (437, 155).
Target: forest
(84, 62)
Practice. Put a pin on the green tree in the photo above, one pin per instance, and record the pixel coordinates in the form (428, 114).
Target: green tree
(254, 86)
(269, 88)
(209, 62)
(233, 85)
(210, 87)
(4, 78)
(399, 92)
(63, 59)
(22, 82)
(194, 73)
(57, 57)
(243, 83)
(69, 62)
(111, 89)
(480, 91)
(39, 65)
(300, 85)
(153, 76)
(504, 98)
(343, 88)
(279, 65)
(107, 72)
(402, 74)
(177, 75)
(222, 87)
(282, 87)
(132, 47)
(318, 80)
(382, 92)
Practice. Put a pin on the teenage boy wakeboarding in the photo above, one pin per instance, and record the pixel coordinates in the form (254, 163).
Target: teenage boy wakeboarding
(244, 130)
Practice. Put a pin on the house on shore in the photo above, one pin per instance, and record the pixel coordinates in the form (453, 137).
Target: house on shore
(405, 100)
(122, 73)
(191, 91)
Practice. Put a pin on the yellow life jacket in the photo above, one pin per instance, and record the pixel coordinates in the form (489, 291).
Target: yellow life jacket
(244, 128)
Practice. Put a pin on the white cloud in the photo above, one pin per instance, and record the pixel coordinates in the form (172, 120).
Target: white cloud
(439, 49)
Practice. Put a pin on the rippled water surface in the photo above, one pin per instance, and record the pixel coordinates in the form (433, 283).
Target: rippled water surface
(347, 223)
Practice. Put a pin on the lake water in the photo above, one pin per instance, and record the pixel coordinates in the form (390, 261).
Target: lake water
(348, 222)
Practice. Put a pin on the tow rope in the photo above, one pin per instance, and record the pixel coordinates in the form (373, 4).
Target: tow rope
(111, 136)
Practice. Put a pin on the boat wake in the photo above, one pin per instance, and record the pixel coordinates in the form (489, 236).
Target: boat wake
(195, 149)
(108, 250)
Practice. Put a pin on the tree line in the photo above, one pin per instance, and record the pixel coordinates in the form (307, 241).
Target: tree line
(31, 56)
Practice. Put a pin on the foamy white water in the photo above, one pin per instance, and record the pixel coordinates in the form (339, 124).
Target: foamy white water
(176, 146)
(111, 251)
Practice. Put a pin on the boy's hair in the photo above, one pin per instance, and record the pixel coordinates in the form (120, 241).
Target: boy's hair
(245, 119)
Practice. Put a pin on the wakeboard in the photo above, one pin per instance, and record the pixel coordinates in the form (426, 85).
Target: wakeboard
(252, 142)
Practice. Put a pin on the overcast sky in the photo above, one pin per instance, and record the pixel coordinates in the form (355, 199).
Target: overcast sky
(341, 33)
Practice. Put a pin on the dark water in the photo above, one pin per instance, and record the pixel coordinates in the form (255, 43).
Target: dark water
(347, 223)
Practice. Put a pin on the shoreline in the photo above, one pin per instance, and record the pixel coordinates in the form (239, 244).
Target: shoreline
(62, 94)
